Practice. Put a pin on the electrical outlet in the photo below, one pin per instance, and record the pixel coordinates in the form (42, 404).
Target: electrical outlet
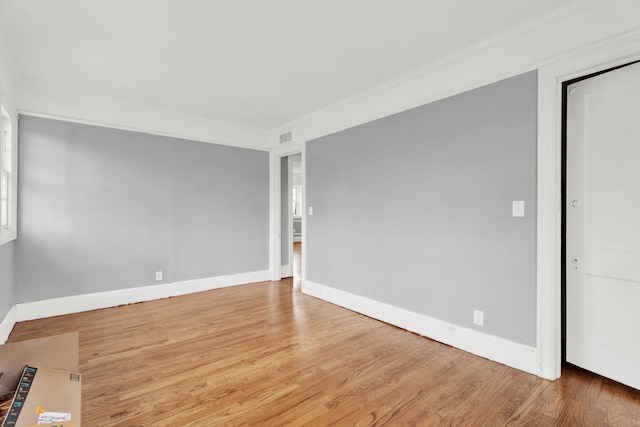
(158, 276)
(478, 317)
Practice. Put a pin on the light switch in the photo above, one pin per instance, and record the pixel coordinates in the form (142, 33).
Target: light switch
(310, 210)
(517, 208)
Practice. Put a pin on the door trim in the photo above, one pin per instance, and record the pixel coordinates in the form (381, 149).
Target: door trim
(275, 253)
(551, 77)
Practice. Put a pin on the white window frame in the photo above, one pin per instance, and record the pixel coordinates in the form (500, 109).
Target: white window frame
(10, 232)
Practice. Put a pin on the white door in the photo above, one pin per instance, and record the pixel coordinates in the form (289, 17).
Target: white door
(603, 225)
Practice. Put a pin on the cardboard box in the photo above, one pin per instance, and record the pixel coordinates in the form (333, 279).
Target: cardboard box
(45, 373)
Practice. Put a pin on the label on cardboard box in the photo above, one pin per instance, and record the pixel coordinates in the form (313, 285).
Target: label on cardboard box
(51, 417)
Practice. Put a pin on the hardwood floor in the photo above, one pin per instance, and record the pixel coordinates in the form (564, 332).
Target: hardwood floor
(265, 355)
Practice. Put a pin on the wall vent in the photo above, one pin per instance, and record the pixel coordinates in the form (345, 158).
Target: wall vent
(285, 137)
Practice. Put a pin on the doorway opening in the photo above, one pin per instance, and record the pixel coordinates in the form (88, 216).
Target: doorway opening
(291, 214)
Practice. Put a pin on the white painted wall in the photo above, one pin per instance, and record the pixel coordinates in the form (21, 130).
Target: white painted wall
(7, 71)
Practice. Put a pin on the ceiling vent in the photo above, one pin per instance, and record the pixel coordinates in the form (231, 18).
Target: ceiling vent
(285, 137)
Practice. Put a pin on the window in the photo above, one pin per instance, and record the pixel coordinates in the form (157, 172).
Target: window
(8, 182)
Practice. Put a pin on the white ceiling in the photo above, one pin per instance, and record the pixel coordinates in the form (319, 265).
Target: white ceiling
(257, 63)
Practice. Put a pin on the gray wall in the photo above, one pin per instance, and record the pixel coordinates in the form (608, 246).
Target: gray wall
(7, 290)
(414, 209)
(284, 211)
(103, 209)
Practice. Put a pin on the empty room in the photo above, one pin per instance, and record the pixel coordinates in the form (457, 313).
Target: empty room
(297, 212)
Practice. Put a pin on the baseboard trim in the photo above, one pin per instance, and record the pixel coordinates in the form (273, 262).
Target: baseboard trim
(7, 324)
(209, 283)
(78, 303)
(500, 350)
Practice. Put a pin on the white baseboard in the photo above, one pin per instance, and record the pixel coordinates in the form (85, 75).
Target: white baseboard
(209, 283)
(7, 324)
(78, 303)
(500, 350)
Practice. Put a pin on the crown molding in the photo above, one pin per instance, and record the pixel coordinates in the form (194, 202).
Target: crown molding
(522, 48)
(54, 103)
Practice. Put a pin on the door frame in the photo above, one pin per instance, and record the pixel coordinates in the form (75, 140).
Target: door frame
(551, 78)
(275, 250)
